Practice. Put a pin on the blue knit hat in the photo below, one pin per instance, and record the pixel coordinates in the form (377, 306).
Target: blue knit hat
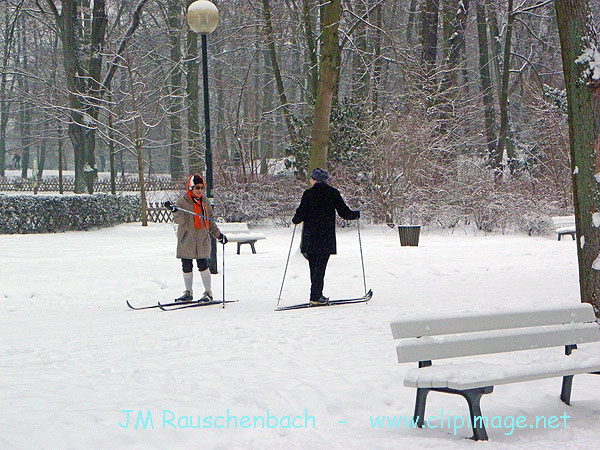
(319, 175)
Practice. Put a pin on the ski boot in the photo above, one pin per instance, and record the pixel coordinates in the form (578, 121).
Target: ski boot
(187, 296)
(206, 297)
(321, 301)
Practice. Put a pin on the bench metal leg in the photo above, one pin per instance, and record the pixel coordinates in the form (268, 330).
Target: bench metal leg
(419, 416)
(565, 392)
(567, 382)
(473, 398)
(239, 245)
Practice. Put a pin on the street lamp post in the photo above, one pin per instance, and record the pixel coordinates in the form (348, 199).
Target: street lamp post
(203, 18)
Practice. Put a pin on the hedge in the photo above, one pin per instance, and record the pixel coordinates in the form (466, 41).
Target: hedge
(20, 214)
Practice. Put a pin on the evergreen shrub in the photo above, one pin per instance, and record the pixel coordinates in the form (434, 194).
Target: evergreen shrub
(21, 214)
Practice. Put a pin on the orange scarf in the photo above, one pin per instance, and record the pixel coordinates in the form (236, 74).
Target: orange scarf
(199, 222)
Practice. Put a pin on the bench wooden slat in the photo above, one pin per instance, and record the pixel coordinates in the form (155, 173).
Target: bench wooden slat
(565, 225)
(243, 237)
(480, 374)
(497, 341)
(564, 221)
(233, 227)
(238, 232)
(434, 326)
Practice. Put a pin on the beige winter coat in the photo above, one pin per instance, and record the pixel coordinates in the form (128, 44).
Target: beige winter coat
(192, 242)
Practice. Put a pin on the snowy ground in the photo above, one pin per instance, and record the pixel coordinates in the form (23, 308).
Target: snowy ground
(73, 357)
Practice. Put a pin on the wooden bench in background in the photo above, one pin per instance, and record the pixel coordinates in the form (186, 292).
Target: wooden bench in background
(423, 340)
(238, 232)
(565, 225)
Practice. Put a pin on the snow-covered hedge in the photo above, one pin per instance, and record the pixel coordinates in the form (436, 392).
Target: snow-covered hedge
(52, 213)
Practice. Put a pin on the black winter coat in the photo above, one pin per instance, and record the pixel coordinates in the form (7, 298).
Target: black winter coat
(317, 211)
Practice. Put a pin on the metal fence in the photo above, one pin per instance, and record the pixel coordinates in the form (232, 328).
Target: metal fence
(157, 213)
(51, 184)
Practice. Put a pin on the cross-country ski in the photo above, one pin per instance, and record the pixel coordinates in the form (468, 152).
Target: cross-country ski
(156, 305)
(178, 305)
(171, 307)
(364, 299)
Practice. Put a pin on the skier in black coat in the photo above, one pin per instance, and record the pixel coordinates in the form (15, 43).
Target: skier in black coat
(317, 210)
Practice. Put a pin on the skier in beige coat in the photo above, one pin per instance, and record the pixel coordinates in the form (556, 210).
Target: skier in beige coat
(193, 240)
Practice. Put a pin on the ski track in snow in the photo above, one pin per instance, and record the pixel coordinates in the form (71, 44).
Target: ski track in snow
(73, 356)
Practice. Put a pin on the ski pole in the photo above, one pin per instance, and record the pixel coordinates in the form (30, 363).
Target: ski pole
(362, 261)
(186, 211)
(223, 275)
(286, 265)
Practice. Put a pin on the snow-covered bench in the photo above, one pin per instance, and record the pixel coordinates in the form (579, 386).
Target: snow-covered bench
(239, 232)
(454, 336)
(565, 225)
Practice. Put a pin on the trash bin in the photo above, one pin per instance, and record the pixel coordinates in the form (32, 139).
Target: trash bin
(409, 235)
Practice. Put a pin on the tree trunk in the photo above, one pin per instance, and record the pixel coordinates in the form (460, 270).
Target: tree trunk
(42, 158)
(61, 157)
(4, 115)
(5, 103)
(24, 108)
(455, 44)
(486, 81)
(111, 150)
(429, 42)
(492, 20)
(328, 69)
(175, 106)
(313, 70)
(377, 60)
(360, 71)
(268, 30)
(86, 88)
(80, 128)
(504, 93)
(268, 104)
(221, 125)
(454, 47)
(448, 8)
(581, 66)
(139, 140)
(412, 16)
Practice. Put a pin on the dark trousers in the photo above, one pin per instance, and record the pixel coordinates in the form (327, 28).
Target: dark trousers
(318, 264)
(187, 264)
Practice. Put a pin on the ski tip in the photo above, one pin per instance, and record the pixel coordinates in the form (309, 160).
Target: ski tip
(130, 305)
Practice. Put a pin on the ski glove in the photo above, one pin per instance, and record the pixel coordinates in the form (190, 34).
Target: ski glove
(357, 215)
(170, 206)
(223, 239)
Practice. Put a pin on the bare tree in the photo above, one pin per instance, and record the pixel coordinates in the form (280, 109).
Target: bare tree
(84, 81)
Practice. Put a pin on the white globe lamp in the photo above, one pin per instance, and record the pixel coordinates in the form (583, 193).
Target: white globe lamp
(203, 16)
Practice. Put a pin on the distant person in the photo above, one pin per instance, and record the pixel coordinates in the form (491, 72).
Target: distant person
(317, 210)
(193, 240)
(17, 161)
